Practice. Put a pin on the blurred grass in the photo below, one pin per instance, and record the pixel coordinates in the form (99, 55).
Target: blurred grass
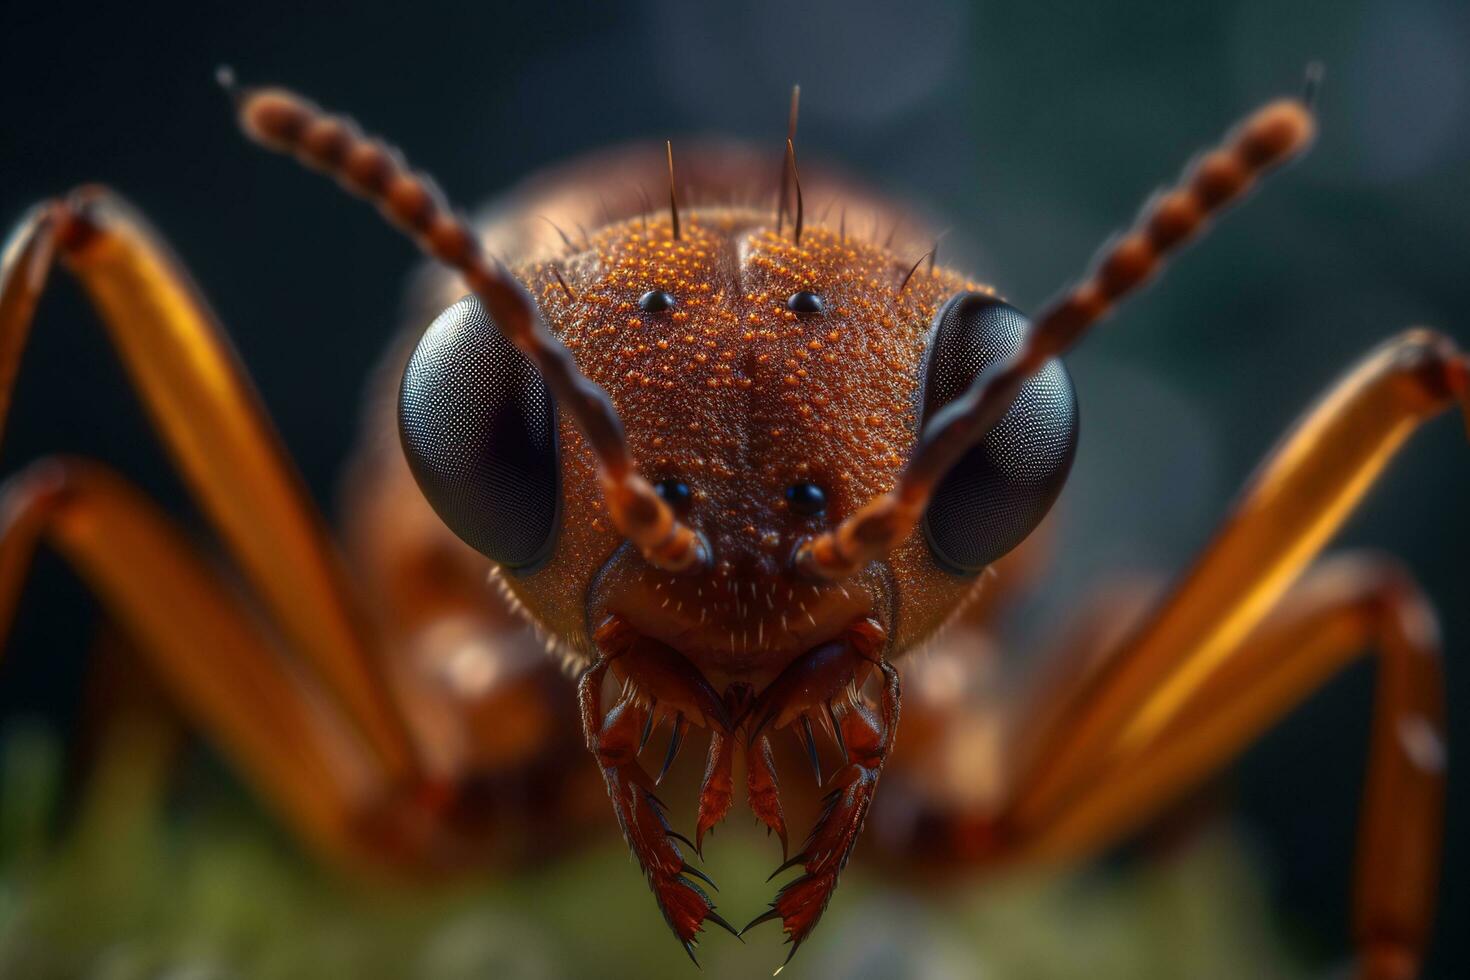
(212, 890)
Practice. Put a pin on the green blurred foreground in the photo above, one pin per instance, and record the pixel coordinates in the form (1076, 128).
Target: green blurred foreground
(214, 891)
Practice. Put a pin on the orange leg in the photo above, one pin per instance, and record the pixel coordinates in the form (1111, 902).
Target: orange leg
(1212, 665)
(1297, 500)
(1344, 607)
(215, 428)
(192, 630)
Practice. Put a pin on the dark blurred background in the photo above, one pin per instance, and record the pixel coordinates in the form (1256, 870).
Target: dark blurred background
(1034, 130)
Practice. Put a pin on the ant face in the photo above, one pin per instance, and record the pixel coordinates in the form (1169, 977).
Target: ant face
(768, 388)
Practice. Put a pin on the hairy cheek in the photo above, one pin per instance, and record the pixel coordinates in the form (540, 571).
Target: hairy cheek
(926, 595)
(555, 595)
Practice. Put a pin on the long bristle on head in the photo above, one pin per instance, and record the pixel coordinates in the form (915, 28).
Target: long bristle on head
(800, 205)
(785, 184)
(1269, 137)
(282, 121)
(673, 191)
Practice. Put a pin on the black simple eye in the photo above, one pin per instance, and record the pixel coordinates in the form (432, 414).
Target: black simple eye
(656, 301)
(806, 498)
(675, 492)
(479, 430)
(805, 303)
(1001, 489)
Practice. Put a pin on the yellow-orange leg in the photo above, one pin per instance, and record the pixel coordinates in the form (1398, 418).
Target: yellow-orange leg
(210, 654)
(1345, 607)
(1182, 660)
(1287, 513)
(213, 425)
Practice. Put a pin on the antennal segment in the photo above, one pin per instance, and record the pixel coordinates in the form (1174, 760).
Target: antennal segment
(284, 122)
(1270, 137)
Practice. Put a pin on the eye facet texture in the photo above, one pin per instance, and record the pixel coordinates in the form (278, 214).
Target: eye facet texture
(479, 429)
(1001, 489)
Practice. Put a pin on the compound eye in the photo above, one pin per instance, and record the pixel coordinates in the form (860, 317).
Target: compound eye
(1001, 489)
(479, 429)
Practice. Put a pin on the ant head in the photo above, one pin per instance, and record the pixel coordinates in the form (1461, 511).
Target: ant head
(768, 387)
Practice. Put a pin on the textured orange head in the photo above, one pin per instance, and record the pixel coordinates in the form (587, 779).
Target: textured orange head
(769, 386)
